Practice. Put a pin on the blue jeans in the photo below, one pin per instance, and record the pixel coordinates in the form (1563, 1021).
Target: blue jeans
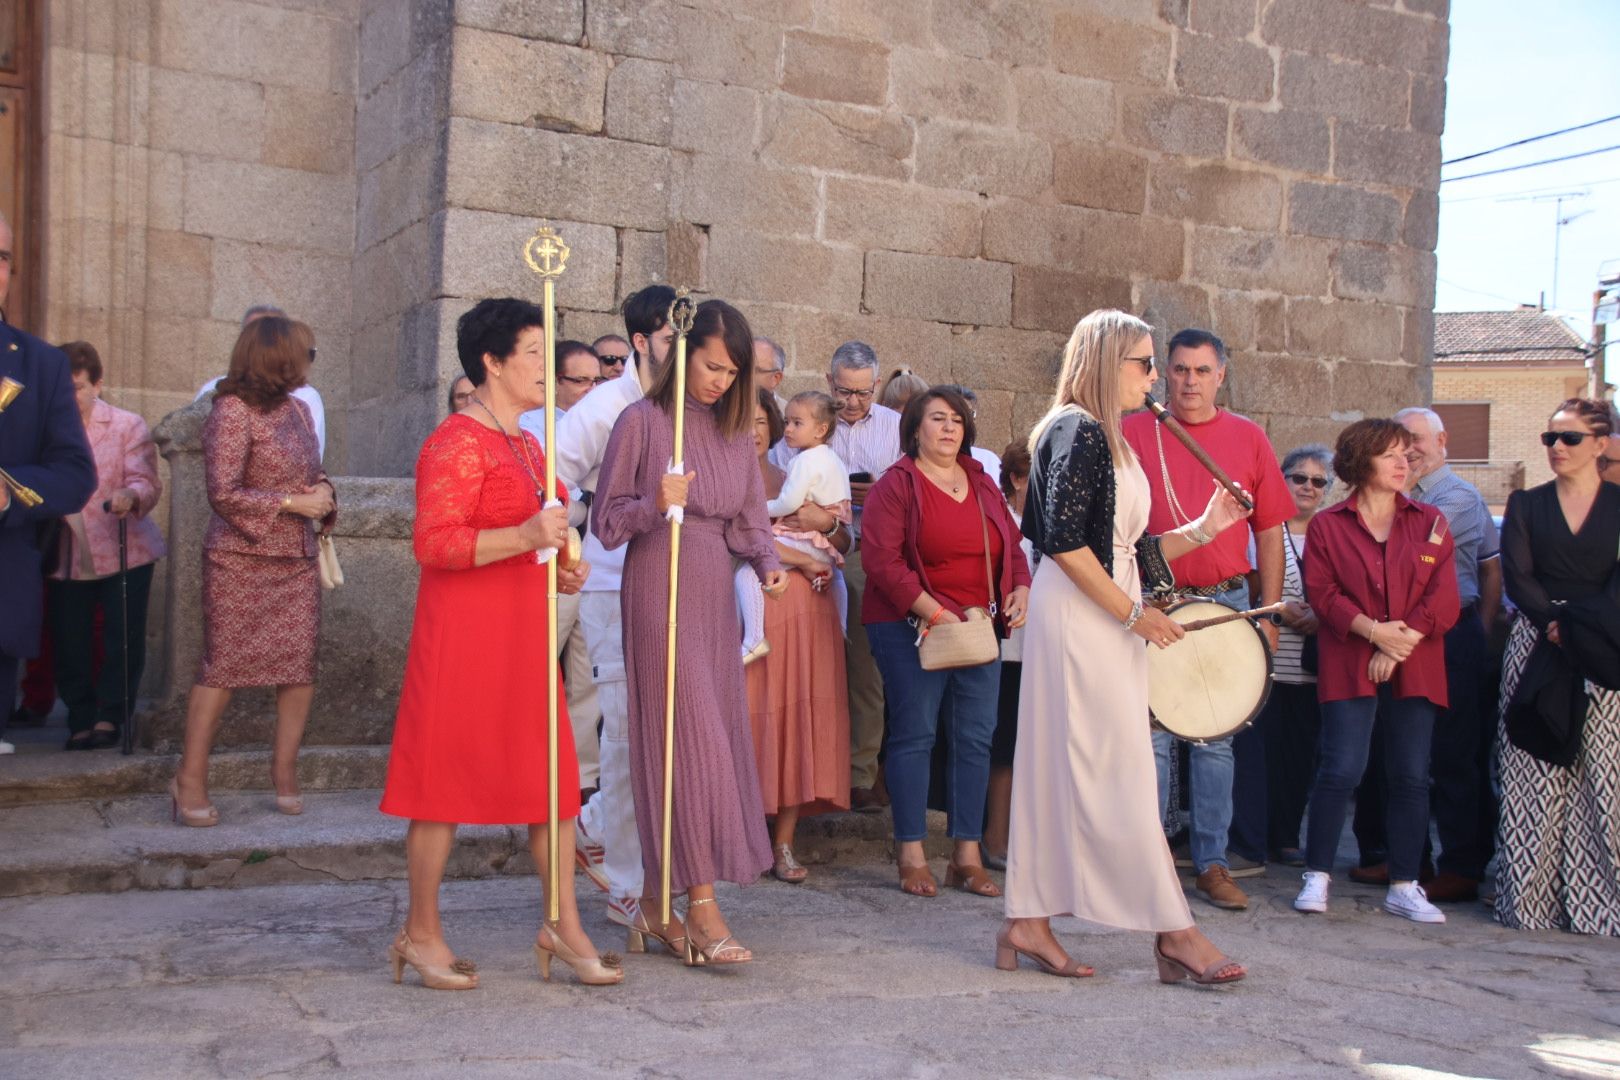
(916, 698)
(1210, 765)
(1347, 735)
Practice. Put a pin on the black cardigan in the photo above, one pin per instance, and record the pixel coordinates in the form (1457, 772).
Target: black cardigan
(1071, 499)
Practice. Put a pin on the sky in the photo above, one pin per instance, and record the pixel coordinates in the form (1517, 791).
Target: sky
(1521, 68)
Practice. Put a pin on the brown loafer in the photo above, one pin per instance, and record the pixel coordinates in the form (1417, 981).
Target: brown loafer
(1218, 888)
(1449, 888)
(1376, 874)
(865, 800)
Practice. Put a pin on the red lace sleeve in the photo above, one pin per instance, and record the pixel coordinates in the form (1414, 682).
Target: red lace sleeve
(449, 477)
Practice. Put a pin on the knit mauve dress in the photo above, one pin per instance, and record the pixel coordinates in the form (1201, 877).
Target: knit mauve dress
(719, 828)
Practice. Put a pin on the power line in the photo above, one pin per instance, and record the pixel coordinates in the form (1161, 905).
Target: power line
(1512, 195)
(1531, 139)
(1530, 165)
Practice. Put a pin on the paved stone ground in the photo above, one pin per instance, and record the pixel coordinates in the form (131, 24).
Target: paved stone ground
(852, 979)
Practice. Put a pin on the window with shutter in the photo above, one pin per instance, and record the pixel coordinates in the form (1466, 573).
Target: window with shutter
(1468, 429)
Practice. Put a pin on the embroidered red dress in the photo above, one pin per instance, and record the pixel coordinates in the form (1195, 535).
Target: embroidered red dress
(470, 735)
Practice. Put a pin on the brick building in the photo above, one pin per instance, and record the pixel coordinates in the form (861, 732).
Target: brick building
(1497, 377)
(956, 181)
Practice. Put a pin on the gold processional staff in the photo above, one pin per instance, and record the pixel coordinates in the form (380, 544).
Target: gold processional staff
(547, 256)
(27, 496)
(681, 313)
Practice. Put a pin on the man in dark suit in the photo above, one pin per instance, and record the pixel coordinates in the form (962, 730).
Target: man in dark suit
(42, 446)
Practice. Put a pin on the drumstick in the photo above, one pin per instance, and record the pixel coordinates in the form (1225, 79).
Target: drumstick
(1252, 613)
(1173, 426)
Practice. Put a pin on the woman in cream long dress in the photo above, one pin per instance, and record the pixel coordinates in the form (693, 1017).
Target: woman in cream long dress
(1085, 837)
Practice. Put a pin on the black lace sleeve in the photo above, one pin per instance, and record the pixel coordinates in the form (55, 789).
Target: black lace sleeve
(1071, 490)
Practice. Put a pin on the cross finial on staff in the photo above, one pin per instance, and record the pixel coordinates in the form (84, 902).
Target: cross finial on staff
(546, 253)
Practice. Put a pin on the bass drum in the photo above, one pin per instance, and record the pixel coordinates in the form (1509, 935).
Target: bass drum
(1213, 682)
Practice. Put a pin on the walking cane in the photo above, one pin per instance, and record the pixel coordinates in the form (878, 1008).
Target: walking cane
(680, 319)
(127, 728)
(547, 255)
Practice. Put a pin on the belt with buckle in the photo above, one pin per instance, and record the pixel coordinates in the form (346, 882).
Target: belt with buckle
(1216, 589)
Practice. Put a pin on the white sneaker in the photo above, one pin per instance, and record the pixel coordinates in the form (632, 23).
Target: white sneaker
(1313, 897)
(624, 910)
(7, 748)
(589, 856)
(1409, 901)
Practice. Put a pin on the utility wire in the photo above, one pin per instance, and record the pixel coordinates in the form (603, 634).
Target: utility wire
(1507, 196)
(1530, 165)
(1531, 139)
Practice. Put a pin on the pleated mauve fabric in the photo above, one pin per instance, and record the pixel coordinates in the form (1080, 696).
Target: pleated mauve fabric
(719, 820)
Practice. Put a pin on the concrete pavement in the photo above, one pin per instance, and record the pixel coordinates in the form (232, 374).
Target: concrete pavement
(852, 979)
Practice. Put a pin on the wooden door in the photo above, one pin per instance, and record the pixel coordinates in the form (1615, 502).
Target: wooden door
(19, 153)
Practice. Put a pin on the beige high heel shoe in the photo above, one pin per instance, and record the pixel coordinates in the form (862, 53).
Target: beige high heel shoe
(606, 970)
(642, 929)
(728, 950)
(197, 819)
(459, 975)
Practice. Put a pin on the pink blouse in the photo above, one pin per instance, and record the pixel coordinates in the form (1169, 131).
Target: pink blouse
(126, 457)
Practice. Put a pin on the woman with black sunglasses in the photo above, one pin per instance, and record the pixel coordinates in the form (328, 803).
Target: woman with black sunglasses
(1559, 837)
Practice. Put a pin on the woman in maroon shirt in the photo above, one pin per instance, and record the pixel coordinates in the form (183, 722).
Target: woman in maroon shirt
(918, 577)
(1381, 582)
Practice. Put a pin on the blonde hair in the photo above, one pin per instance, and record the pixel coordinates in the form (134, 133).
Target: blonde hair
(1089, 377)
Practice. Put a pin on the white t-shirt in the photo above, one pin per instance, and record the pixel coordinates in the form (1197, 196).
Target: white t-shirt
(306, 393)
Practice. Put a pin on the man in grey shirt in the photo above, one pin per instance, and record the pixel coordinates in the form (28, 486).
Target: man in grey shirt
(1459, 757)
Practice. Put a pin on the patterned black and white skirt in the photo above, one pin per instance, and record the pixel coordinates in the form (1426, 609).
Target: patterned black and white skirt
(1559, 836)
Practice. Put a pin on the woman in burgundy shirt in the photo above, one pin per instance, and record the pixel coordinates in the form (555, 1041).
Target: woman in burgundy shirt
(1381, 582)
(918, 576)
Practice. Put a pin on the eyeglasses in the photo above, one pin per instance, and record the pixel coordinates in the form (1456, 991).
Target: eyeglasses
(846, 392)
(1568, 438)
(1145, 361)
(1316, 482)
(584, 380)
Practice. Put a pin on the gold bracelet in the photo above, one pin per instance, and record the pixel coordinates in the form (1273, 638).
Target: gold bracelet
(286, 503)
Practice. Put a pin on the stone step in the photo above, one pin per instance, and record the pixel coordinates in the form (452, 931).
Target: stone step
(107, 774)
(129, 842)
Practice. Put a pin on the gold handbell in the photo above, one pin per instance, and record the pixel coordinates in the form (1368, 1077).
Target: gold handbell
(569, 557)
(19, 490)
(9, 389)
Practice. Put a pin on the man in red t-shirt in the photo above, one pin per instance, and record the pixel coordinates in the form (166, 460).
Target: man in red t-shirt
(1181, 488)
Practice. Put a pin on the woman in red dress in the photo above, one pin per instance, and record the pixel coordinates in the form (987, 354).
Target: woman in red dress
(470, 736)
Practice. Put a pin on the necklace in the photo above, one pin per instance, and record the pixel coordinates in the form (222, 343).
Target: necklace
(520, 450)
(1177, 514)
(955, 486)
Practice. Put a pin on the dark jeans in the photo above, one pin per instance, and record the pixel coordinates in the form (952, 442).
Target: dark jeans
(915, 699)
(1274, 762)
(1459, 761)
(72, 605)
(1347, 737)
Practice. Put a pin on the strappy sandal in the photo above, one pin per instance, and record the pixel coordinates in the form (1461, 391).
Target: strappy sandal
(641, 929)
(787, 868)
(1171, 970)
(728, 950)
(971, 879)
(1007, 955)
(918, 881)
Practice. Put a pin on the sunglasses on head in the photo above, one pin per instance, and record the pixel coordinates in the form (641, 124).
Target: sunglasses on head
(1568, 438)
(1316, 482)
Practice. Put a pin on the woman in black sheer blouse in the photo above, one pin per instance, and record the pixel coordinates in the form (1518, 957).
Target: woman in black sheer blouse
(1559, 838)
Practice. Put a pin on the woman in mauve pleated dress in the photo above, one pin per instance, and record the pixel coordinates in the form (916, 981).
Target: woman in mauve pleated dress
(719, 821)
(470, 738)
(1085, 838)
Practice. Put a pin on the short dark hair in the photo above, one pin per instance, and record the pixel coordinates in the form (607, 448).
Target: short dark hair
(568, 347)
(1598, 416)
(82, 356)
(646, 312)
(911, 419)
(1194, 338)
(716, 318)
(492, 327)
(1015, 461)
(1363, 441)
(773, 415)
(269, 360)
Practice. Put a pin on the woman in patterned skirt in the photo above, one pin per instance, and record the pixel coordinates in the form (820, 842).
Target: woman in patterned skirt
(261, 587)
(1559, 838)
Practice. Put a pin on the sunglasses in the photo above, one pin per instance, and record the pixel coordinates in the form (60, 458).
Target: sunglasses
(1568, 438)
(1145, 361)
(1317, 482)
(609, 358)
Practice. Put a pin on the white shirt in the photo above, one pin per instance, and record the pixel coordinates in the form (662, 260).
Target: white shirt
(306, 393)
(991, 462)
(869, 445)
(534, 422)
(816, 475)
(582, 436)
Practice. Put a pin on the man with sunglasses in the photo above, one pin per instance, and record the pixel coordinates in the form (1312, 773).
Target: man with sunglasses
(612, 351)
(1231, 770)
(1459, 756)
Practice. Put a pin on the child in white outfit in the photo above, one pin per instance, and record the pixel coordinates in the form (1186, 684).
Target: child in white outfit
(816, 475)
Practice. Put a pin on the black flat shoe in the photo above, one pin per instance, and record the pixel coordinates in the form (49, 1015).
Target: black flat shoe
(86, 741)
(102, 739)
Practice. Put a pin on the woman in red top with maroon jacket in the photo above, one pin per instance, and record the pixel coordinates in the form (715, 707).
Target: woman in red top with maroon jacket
(923, 546)
(1380, 580)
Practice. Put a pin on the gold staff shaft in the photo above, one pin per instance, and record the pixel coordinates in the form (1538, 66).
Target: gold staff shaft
(553, 845)
(680, 318)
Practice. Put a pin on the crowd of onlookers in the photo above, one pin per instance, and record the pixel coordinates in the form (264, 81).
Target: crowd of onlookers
(1428, 664)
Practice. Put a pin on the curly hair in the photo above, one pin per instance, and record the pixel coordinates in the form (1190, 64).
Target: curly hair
(1362, 442)
(1598, 416)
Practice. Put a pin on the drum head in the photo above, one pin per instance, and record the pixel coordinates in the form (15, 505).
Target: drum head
(1212, 682)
